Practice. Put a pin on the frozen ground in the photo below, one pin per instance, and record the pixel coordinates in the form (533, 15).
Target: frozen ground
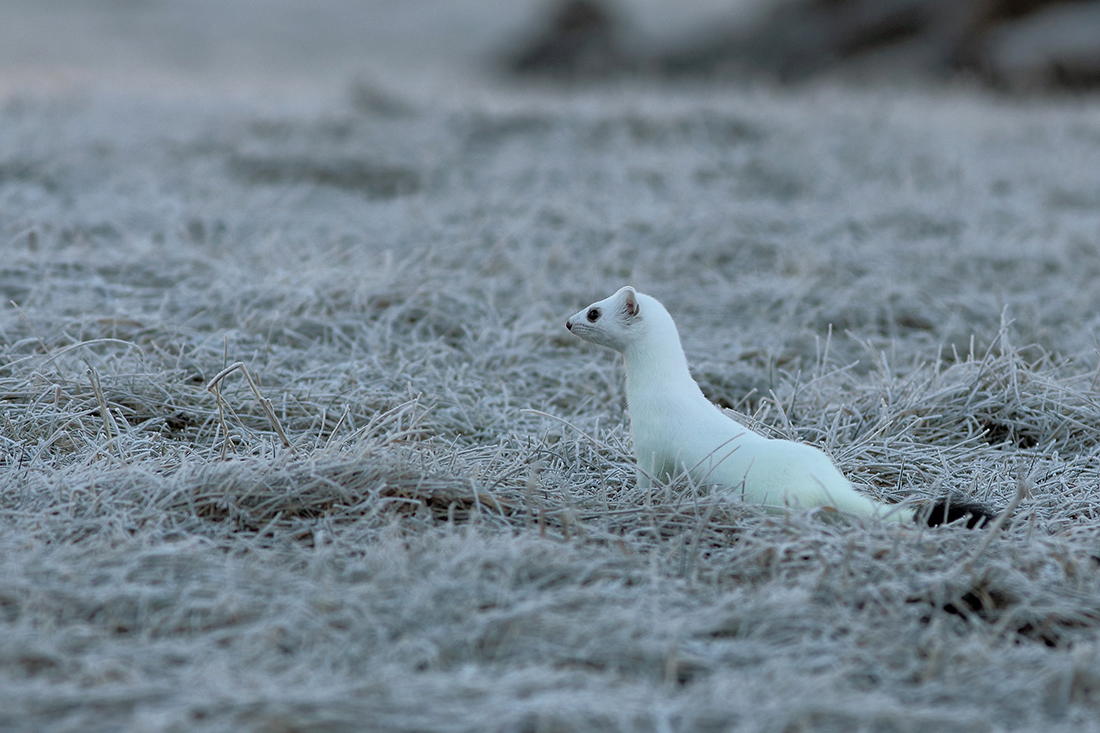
(453, 541)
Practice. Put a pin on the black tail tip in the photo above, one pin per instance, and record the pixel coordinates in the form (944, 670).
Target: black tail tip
(951, 509)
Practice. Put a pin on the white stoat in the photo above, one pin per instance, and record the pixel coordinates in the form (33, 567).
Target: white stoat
(676, 429)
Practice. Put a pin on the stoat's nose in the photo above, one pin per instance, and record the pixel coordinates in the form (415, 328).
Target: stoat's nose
(569, 325)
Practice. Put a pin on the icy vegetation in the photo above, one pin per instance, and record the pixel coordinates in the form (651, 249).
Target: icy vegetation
(292, 435)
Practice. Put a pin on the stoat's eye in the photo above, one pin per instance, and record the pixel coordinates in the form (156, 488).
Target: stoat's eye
(593, 315)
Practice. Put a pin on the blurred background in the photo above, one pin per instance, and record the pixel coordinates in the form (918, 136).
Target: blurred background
(283, 43)
(1015, 45)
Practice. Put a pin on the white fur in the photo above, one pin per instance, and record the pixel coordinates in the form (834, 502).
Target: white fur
(676, 429)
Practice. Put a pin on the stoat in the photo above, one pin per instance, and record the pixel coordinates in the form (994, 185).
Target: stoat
(677, 430)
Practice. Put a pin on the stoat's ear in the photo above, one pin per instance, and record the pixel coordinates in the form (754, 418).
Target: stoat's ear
(630, 302)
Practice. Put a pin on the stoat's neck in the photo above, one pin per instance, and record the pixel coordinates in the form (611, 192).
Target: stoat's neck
(657, 368)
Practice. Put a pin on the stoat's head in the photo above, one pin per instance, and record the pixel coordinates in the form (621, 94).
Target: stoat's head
(615, 322)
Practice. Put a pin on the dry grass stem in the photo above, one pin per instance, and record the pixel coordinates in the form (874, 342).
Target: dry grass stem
(108, 422)
(264, 403)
